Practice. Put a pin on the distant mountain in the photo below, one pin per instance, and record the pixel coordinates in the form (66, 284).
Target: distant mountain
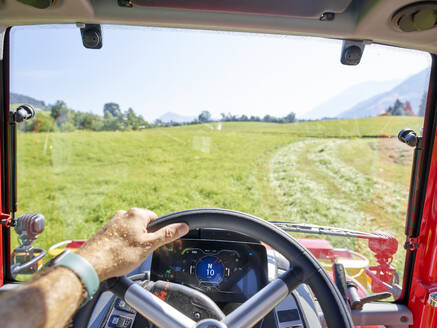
(173, 117)
(411, 90)
(351, 96)
(16, 98)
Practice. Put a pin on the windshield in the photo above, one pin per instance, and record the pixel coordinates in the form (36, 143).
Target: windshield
(166, 119)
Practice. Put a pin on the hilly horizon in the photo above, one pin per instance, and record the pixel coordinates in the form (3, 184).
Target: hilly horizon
(411, 89)
(372, 98)
(351, 96)
(17, 98)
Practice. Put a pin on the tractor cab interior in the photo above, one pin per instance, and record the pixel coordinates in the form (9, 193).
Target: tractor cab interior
(295, 138)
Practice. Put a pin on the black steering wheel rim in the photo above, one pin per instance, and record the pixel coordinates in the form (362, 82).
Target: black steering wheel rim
(337, 313)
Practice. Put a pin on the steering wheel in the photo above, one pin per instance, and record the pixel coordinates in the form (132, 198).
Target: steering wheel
(304, 268)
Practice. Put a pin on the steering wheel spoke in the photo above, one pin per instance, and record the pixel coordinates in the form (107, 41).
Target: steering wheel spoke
(246, 315)
(260, 304)
(149, 305)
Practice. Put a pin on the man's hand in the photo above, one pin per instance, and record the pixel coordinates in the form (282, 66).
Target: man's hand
(52, 297)
(123, 243)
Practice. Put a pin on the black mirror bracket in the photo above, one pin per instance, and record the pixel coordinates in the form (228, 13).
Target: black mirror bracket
(21, 114)
(91, 34)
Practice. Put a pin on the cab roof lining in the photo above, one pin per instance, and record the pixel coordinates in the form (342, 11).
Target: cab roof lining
(358, 19)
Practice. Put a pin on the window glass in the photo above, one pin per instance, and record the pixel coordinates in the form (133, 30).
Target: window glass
(171, 119)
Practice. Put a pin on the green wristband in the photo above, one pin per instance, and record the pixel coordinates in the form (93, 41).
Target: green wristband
(82, 268)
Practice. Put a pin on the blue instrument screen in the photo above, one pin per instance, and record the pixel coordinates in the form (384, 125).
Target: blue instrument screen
(210, 269)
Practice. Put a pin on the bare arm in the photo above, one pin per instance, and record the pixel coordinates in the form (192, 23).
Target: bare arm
(52, 298)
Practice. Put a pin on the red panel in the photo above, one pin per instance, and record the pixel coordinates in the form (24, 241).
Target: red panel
(1, 230)
(424, 279)
(320, 248)
(75, 244)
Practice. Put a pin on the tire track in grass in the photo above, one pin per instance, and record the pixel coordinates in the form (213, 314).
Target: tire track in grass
(316, 186)
(306, 200)
(362, 189)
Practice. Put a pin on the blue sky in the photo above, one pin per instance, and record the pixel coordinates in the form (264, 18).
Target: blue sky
(155, 71)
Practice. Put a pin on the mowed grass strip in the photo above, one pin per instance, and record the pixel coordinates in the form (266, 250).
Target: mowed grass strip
(78, 180)
(321, 182)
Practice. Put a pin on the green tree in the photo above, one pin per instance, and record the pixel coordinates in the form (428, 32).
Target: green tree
(134, 121)
(422, 106)
(87, 121)
(290, 118)
(42, 122)
(97, 123)
(269, 118)
(112, 124)
(204, 116)
(60, 112)
(112, 110)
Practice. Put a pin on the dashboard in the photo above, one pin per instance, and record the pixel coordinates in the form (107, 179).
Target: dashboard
(227, 267)
(226, 271)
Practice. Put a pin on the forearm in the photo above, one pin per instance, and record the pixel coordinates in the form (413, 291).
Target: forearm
(52, 298)
(49, 301)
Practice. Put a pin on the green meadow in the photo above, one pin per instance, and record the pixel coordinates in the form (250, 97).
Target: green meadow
(338, 173)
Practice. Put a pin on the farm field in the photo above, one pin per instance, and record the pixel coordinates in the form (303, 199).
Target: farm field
(332, 173)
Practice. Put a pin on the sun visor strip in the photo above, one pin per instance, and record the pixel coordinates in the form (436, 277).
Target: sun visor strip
(297, 8)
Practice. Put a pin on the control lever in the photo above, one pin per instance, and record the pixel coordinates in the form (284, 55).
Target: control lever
(357, 302)
(340, 280)
(25, 258)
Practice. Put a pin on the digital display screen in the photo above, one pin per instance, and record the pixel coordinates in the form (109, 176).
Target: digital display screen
(226, 271)
(210, 269)
(288, 315)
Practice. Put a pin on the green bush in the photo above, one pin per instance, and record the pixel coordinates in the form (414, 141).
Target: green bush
(42, 122)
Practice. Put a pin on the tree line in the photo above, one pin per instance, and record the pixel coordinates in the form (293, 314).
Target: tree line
(205, 117)
(290, 118)
(59, 117)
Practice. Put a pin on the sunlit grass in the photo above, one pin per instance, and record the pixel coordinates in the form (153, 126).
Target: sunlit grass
(319, 184)
(318, 172)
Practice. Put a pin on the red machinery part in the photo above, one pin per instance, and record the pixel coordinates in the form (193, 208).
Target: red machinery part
(381, 243)
(5, 219)
(384, 249)
(320, 248)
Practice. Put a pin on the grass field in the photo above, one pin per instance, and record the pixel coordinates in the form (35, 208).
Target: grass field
(332, 172)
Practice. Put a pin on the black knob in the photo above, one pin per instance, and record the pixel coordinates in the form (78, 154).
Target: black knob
(24, 113)
(408, 137)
